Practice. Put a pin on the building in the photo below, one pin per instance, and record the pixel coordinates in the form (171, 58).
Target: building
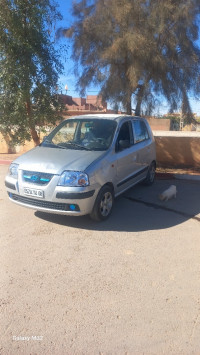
(80, 105)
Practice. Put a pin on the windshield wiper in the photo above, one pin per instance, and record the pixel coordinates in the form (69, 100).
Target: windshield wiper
(77, 145)
(64, 146)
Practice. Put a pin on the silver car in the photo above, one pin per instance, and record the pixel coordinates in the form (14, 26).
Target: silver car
(83, 164)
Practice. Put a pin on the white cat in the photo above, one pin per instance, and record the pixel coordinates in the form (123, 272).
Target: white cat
(168, 194)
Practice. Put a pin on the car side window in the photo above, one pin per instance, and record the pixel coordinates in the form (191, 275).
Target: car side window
(140, 131)
(124, 138)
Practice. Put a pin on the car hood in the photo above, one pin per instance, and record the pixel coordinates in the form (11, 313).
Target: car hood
(55, 160)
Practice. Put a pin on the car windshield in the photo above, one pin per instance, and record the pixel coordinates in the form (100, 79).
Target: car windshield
(82, 134)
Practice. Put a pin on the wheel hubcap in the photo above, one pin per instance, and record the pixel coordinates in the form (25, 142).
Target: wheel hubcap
(106, 204)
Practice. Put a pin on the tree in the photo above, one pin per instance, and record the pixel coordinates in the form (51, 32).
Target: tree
(29, 68)
(136, 49)
(175, 46)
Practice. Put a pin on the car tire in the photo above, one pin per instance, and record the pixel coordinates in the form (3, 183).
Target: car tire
(149, 180)
(103, 204)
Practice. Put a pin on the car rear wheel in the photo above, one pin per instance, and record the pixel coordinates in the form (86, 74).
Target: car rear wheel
(103, 204)
(151, 174)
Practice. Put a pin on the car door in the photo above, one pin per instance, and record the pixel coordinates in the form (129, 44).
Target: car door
(125, 158)
(143, 145)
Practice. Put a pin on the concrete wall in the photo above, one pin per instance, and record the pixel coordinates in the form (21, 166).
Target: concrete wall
(174, 149)
(4, 148)
(178, 149)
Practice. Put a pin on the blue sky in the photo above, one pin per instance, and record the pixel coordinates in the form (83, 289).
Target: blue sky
(68, 77)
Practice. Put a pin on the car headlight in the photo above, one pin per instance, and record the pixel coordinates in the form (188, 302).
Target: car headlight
(13, 170)
(73, 178)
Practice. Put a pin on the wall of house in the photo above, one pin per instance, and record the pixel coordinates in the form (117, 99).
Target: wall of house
(79, 101)
(161, 124)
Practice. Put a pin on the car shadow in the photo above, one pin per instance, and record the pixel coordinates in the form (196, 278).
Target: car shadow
(139, 209)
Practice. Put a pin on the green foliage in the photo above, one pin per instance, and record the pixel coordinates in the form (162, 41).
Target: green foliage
(29, 68)
(137, 48)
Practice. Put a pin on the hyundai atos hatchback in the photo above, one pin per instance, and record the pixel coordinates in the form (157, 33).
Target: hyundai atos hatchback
(83, 164)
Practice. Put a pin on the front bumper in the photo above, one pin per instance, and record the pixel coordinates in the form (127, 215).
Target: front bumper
(72, 201)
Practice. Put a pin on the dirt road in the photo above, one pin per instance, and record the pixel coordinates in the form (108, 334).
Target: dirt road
(130, 285)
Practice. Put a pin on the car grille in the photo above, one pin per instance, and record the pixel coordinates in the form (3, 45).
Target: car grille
(44, 204)
(35, 177)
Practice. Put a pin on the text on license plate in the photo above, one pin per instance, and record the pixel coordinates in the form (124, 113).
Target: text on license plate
(33, 192)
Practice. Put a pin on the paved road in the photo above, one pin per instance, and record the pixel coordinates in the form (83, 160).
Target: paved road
(130, 285)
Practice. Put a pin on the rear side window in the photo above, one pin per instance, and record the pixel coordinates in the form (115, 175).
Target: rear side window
(140, 131)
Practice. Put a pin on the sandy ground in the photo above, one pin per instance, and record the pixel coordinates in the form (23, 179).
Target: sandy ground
(130, 285)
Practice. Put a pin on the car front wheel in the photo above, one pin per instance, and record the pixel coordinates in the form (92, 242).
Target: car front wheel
(103, 204)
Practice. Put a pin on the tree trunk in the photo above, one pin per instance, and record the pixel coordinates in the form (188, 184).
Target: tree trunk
(186, 109)
(128, 103)
(34, 135)
(139, 100)
(10, 144)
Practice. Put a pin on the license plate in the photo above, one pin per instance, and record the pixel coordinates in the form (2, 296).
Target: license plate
(33, 192)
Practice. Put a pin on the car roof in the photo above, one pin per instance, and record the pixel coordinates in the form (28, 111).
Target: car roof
(110, 116)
